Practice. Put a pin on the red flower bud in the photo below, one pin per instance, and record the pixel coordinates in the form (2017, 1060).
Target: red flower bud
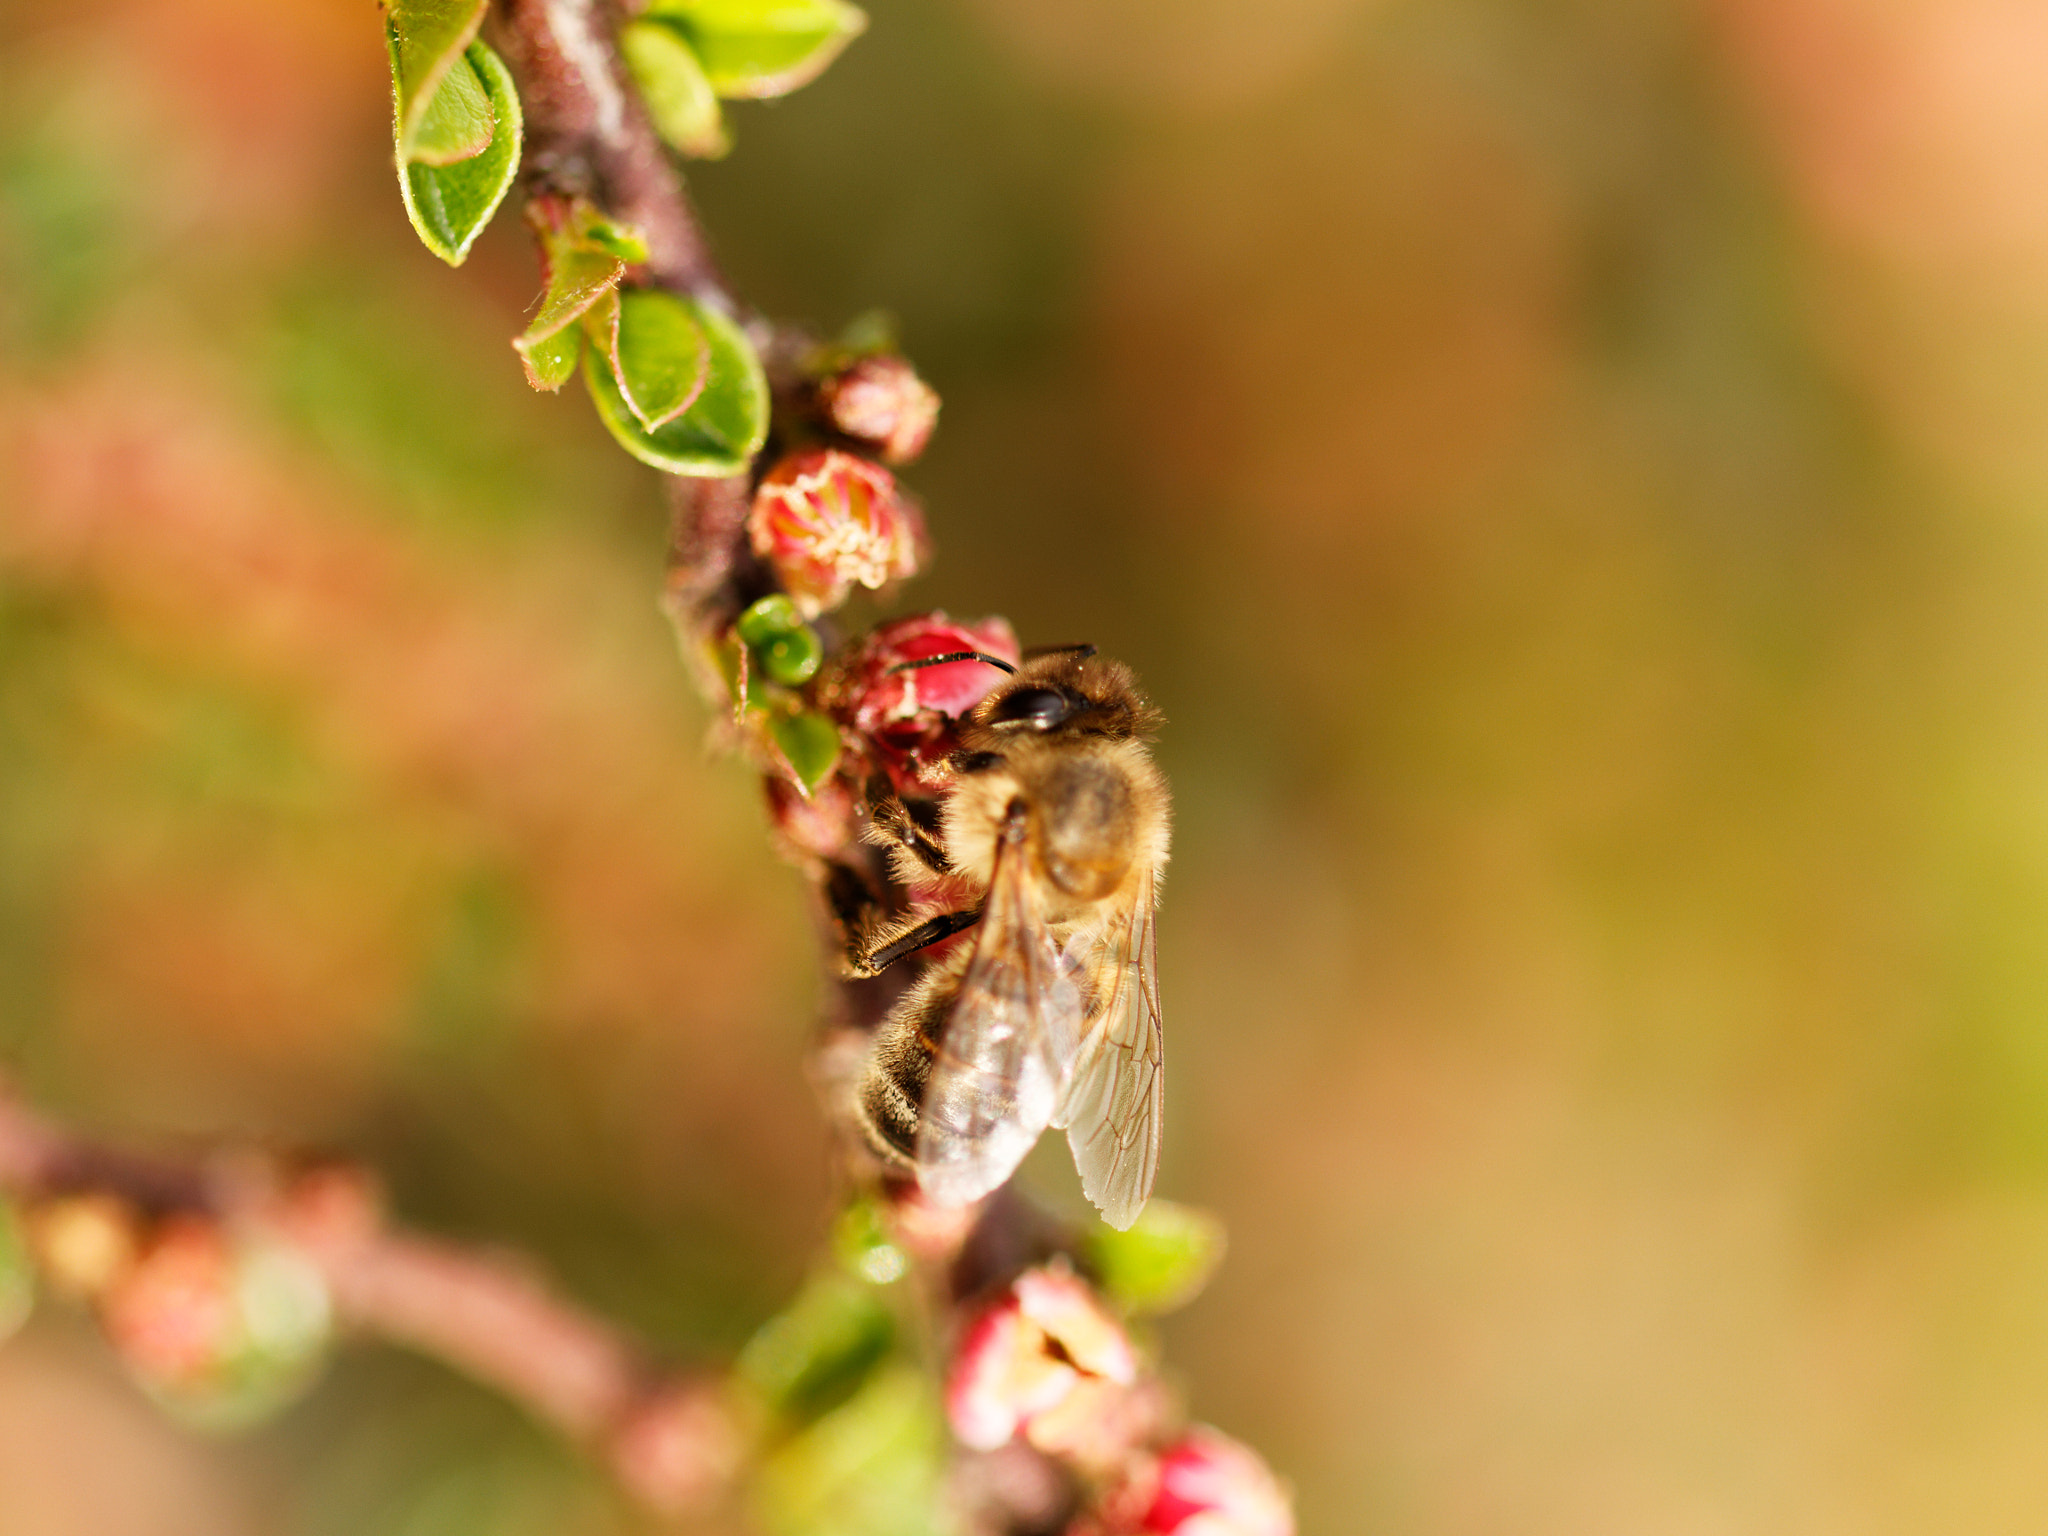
(880, 400)
(173, 1316)
(1206, 1484)
(1027, 1356)
(226, 1324)
(907, 716)
(820, 825)
(828, 521)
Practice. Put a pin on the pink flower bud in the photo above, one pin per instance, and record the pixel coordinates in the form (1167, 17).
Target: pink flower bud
(173, 1315)
(1207, 1484)
(828, 521)
(881, 400)
(1027, 1356)
(820, 825)
(907, 716)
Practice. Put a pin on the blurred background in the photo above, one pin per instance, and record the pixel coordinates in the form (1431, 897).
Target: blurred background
(1575, 475)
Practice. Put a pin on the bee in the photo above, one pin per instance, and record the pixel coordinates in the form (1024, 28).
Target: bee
(1051, 833)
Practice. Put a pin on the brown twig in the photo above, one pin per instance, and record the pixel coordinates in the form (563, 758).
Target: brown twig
(587, 134)
(668, 1436)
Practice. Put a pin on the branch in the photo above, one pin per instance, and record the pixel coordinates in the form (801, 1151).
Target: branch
(99, 1212)
(588, 135)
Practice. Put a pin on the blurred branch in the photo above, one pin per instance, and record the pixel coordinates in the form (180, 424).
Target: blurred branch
(669, 1437)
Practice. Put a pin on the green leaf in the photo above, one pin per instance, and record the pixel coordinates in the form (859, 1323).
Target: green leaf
(874, 1467)
(1162, 1262)
(17, 1278)
(814, 1356)
(583, 256)
(601, 234)
(427, 41)
(450, 204)
(679, 98)
(725, 424)
(577, 279)
(810, 745)
(659, 355)
(457, 124)
(551, 362)
(763, 48)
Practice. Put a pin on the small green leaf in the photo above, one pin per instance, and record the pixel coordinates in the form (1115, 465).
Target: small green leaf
(810, 743)
(551, 362)
(763, 48)
(583, 256)
(814, 1356)
(658, 353)
(734, 663)
(772, 615)
(17, 1278)
(875, 1466)
(671, 81)
(577, 279)
(600, 233)
(427, 41)
(457, 123)
(1162, 1262)
(450, 204)
(725, 424)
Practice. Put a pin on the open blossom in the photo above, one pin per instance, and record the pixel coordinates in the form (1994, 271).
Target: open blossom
(829, 521)
(907, 716)
(881, 400)
(1205, 1484)
(1045, 1344)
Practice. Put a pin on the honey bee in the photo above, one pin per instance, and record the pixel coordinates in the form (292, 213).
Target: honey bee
(1051, 833)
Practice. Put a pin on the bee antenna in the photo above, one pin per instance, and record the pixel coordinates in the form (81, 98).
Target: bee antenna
(939, 661)
(1083, 651)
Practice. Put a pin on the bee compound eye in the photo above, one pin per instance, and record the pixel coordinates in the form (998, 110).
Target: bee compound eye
(1040, 708)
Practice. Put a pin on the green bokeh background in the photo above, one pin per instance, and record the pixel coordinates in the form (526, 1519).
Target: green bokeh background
(1573, 474)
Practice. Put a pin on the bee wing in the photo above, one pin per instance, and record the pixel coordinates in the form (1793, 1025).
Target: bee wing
(1115, 1094)
(1001, 1066)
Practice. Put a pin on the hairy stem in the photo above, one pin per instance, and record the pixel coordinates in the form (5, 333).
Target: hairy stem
(587, 134)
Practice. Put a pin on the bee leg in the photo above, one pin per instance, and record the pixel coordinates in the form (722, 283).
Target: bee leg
(875, 960)
(896, 825)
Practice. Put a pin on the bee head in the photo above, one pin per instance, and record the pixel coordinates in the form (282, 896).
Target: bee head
(1070, 691)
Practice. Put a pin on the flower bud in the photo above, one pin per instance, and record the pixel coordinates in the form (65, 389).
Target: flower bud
(906, 716)
(818, 825)
(828, 522)
(172, 1316)
(1206, 1484)
(1028, 1355)
(881, 401)
(223, 1326)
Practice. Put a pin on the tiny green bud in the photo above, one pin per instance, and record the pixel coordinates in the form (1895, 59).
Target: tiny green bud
(793, 658)
(773, 615)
